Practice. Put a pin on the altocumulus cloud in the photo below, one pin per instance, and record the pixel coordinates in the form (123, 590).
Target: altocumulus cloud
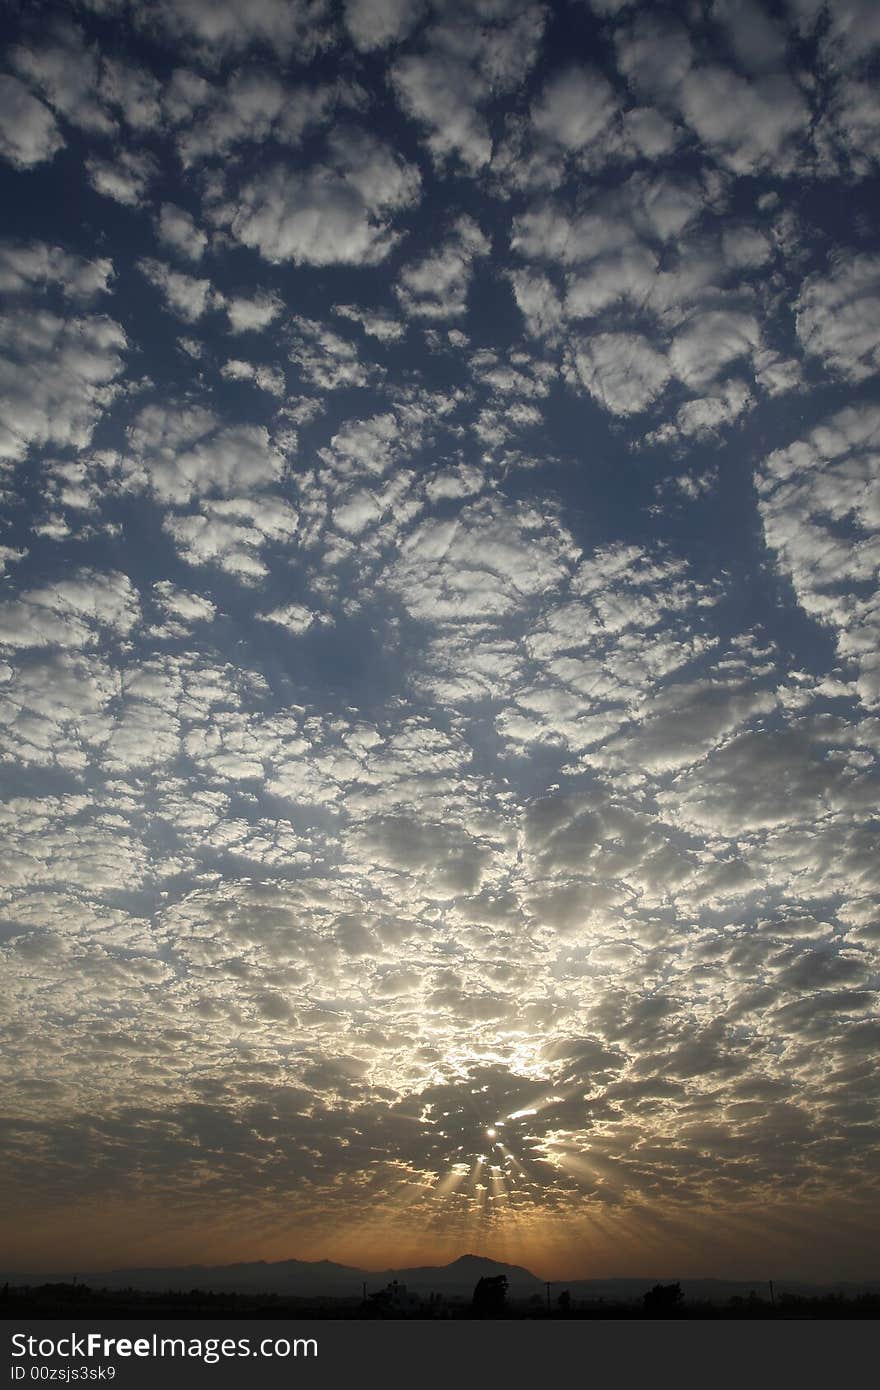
(439, 629)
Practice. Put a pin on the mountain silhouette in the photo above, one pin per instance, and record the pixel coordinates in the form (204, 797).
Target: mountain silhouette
(326, 1279)
(303, 1278)
(461, 1275)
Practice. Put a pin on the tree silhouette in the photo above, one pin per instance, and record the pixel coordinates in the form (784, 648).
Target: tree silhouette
(490, 1295)
(663, 1301)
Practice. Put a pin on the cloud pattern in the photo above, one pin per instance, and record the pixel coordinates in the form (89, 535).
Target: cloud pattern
(439, 692)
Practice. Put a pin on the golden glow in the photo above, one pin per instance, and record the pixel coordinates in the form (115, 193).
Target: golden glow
(603, 1241)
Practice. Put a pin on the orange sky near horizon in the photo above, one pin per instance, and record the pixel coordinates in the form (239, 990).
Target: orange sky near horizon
(818, 1243)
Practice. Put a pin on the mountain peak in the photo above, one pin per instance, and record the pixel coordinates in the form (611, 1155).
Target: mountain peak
(470, 1261)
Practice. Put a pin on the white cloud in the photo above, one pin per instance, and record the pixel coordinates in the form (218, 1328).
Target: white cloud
(125, 178)
(24, 265)
(622, 371)
(66, 70)
(325, 359)
(853, 32)
(651, 133)
(502, 38)
(192, 347)
(368, 446)
(296, 617)
(852, 126)
(757, 780)
(378, 23)
(223, 28)
(480, 566)
(838, 316)
(703, 416)
(269, 379)
(189, 453)
(436, 287)
(231, 534)
(56, 378)
(254, 313)
(538, 301)
(373, 321)
(10, 556)
(548, 233)
(80, 485)
(745, 247)
(163, 430)
(626, 626)
(749, 126)
(441, 93)
(806, 493)
(52, 708)
(710, 341)
(665, 206)
(71, 612)
(245, 108)
(182, 605)
(776, 374)
(185, 295)
(28, 132)
(338, 213)
(628, 274)
(446, 860)
(470, 54)
(186, 93)
(758, 41)
(360, 509)
(574, 108)
(645, 208)
(654, 54)
(176, 228)
(81, 82)
(252, 106)
(133, 91)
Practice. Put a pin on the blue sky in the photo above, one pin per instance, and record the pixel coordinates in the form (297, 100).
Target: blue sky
(439, 631)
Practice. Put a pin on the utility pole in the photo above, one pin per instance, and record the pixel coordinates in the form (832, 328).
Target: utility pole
(772, 1299)
(548, 1293)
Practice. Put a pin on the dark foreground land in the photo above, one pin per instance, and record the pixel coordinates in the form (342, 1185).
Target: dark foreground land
(81, 1301)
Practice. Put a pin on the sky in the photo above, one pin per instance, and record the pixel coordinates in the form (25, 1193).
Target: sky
(439, 671)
